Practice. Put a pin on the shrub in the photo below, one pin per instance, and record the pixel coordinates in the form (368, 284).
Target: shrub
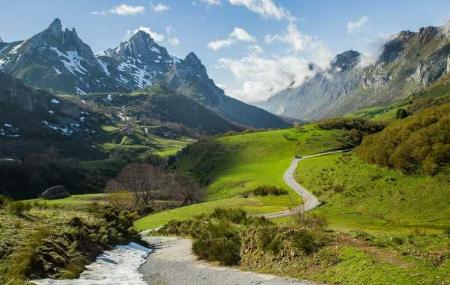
(269, 190)
(18, 207)
(218, 242)
(357, 129)
(305, 241)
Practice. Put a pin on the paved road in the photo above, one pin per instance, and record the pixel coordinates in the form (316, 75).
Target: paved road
(173, 263)
(310, 201)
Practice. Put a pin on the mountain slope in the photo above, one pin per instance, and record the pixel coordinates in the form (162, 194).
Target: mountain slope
(59, 60)
(158, 105)
(409, 61)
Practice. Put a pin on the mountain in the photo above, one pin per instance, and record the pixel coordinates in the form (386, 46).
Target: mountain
(409, 61)
(59, 60)
(159, 106)
(33, 120)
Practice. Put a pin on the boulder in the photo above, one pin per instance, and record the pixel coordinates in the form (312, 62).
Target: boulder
(57, 192)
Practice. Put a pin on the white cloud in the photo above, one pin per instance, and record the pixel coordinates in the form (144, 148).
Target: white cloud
(374, 49)
(300, 42)
(255, 49)
(212, 2)
(356, 26)
(266, 8)
(126, 10)
(237, 35)
(291, 36)
(242, 35)
(173, 41)
(260, 77)
(159, 8)
(219, 44)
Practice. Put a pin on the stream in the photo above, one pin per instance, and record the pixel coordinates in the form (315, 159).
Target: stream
(117, 266)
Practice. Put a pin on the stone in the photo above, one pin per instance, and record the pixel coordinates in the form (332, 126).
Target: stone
(57, 192)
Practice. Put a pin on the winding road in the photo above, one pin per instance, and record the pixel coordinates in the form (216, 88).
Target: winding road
(310, 201)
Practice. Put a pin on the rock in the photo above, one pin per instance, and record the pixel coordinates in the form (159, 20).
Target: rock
(57, 192)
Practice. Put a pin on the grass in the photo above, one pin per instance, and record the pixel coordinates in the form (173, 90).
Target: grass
(73, 202)
(360, 196)
(18, 231)
(249, 161)
(253, 205)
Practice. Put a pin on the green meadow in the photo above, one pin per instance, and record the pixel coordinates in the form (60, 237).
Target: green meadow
(234, 165)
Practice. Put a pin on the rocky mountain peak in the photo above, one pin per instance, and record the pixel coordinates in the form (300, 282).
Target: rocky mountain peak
(141, 46)
(427, 33)
(346, 60)
(1, 40)
(193, 60)
(55, 28)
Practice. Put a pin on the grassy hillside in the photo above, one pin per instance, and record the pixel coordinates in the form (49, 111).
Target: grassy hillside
(81, 228)
(233, 165)
(435, 94)
(358, 195)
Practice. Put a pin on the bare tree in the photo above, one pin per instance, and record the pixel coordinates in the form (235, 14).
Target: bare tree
(147, 183)
(144, 181)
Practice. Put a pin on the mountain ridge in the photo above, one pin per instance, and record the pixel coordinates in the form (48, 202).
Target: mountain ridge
(409, 61)
(58, 60)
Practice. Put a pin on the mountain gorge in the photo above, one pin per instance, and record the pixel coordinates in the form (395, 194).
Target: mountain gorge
(409, 62)
(58, 60)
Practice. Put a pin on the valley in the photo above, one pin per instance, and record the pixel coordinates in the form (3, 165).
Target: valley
(132, 165)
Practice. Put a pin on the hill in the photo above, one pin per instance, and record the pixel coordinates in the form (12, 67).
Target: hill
(232, 167)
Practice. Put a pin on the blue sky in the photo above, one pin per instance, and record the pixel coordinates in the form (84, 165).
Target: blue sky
(252, 48)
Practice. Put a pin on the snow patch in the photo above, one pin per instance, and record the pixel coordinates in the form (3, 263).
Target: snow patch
(79, 91)
(57, 70)
(55, 101)
(65, 130)
(51, 112)
(113, 267)
(71, 61)
(104, 67)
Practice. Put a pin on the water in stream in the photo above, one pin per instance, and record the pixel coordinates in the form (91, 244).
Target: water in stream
(114, 267)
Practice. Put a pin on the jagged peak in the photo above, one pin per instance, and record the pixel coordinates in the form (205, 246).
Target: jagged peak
(1, 40)
(55, 27)
(192, 59)
(346, 59)
(140, 34)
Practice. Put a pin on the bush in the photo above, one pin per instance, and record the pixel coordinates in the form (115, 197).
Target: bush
(357, 129)
(269, 190)
(306, 241)
(218, 242)
(18, 208)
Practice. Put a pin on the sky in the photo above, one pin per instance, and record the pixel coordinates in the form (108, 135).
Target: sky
(251, 48)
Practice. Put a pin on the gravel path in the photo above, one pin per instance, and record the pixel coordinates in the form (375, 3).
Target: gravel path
(310, 201)
(173, 263)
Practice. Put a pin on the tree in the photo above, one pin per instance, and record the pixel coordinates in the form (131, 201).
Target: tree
(143, 181)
